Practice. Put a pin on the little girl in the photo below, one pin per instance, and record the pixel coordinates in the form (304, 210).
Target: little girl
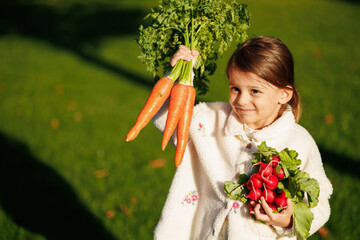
(264, 105)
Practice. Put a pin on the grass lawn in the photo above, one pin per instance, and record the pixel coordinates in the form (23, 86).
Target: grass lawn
(71, 86)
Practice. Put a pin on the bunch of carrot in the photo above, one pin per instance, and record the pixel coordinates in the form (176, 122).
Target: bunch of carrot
(209, 26)
(182, 99)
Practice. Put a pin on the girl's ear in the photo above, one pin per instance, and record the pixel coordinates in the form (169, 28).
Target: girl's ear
(286, 95)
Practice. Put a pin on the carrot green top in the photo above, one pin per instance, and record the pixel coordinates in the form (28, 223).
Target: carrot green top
(209, 26)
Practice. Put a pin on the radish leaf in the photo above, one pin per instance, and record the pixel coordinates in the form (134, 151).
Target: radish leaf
(302, 220)
(289, 159)
(235, 191)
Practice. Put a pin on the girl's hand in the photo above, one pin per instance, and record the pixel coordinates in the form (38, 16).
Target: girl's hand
(186, 54)
(282, 219)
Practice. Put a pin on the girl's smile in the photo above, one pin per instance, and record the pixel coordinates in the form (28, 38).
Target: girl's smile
(256, 102)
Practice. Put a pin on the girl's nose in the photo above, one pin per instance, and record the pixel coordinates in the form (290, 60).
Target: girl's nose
(242, 99)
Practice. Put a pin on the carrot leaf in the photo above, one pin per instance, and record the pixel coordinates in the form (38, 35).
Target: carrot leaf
(209, 26)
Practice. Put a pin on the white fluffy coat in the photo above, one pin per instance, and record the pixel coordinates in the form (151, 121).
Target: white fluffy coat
(196, 206)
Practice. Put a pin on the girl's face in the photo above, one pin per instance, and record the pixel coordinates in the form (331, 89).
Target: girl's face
(255, 101)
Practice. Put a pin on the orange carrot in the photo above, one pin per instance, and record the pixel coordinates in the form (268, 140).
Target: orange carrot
(178, 97)
(183, 126)
(157, 97)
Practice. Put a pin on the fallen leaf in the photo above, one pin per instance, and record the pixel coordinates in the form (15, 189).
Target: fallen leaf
(59, 89)
(324, 232)
(329, 119)
(2, 87)
(54, 123)
(352, 67)
(110, 214)
(19, 111)
(101, 173)
(133, 200)
(78, 116)
(317, 53)
(71, 105)
(41, 78)
(126, 210)
(157, 163)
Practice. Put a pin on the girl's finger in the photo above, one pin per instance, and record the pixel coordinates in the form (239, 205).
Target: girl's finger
(268, 210)
(184, 48)
(260, 216)
(184, 53)
(290, 205)
(289, 208)
(180, 55)
(252, 203)
(195, 54)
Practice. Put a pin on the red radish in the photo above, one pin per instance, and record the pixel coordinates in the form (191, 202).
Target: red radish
(254, 194)
(249, 185)
(273, 207)
(275, 161)
(282, 194)
(265, 169)
(251, 207)
(269, 195)
(256, 176)
(280, 174)
(270, 182)
(281, 200)
(254, 182)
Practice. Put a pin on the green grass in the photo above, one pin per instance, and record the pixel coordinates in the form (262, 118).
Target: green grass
(71, 86)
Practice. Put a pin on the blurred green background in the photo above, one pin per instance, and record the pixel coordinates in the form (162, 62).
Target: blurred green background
(71, 87)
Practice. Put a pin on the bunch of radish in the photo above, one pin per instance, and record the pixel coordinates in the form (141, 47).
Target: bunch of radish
(264, 183)
(276, 175)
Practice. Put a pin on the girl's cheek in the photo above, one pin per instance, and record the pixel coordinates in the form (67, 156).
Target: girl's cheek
(232, 99)
(232, 103)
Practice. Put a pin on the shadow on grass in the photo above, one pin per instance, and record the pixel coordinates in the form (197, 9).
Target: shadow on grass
(40, 200)
(352, 1)
(78, 28)
(340, 162)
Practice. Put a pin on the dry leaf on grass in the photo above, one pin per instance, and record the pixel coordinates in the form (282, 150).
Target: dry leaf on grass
(101, 173)
(59, 89)
(329, 119)
(78, 116)
(133, 200)
(324, 232)
(54, 123)
(110, 214)
(126, 210)
(317, 53)
(157, 163)
(2, 87)
(71, 105)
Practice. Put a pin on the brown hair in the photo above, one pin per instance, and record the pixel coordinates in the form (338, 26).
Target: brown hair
(270, 59)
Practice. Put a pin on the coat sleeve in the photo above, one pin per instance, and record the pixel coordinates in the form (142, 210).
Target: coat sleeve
(316, 170)
(178, 214)
(182, 203)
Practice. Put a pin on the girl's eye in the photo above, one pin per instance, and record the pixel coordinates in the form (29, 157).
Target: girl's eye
(235, 89)
(255, 91)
